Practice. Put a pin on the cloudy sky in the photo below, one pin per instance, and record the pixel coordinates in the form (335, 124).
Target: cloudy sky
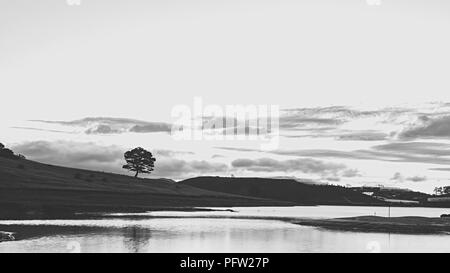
(363, 88)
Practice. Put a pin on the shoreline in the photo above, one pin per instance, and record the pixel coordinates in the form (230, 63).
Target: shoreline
(377, 224)
(92, 214)
(401, 225)
(89, 213)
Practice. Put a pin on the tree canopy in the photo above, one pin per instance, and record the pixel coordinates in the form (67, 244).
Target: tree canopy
(139, 160)
(5, 152)
(442, 190)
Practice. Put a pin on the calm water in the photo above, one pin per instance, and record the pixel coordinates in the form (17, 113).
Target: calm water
(225, 232)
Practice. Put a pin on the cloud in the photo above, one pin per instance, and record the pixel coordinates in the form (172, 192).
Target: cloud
(363, 136)
(243, 130)
(440, 169)
(294, 122)
(177, 168)
(234, 126)
(347, 135)
(417, 178)
(300, 119)
(374, 154)
(398, 177)
(215, 122)
(429, 128)
(351, 173)
(42, 130)
(305, 165)
(89, 120)
(101, 129)
(325, 153)
(299, 122)
(237, 149)
(416, 148)
(151, 128)
(311, 132)
(170, 153)
(430, 120)
(340, 122)
(73, 154)
(69, 151)
(108, 125)
(336, 115)
(341, 112)
(333, 179)
(414, 152)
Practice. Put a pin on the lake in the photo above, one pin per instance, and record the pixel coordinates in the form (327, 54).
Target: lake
(249, 229)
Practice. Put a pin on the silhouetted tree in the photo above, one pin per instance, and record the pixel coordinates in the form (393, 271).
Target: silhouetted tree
(438, 190)
(139, 160)
(445, 190)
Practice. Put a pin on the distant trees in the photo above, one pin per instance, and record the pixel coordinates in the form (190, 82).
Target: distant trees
(437, 190)
(139, 160)
(442, 190)
(5, 152)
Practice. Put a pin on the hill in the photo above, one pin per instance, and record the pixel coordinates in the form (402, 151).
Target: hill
(284, 190)
(30, 189)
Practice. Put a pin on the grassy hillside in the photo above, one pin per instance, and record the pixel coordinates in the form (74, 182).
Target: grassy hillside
(394, 193)
(283, 189)
(30, 189)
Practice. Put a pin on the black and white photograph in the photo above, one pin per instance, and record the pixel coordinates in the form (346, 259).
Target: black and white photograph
(224, 126)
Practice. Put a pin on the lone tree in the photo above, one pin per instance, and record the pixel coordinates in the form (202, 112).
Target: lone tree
(139, 160)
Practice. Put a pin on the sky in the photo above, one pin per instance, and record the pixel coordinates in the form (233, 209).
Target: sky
(362, 85)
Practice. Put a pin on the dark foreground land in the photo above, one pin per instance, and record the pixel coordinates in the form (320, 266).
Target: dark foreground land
(32, 190)
(410, 224)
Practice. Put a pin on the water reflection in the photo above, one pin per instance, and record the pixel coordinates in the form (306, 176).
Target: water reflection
(136, 239)
(211, 235)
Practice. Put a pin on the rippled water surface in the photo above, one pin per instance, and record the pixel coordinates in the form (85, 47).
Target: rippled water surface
(263, 229)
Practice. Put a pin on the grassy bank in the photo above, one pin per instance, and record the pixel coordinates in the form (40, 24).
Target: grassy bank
(410, 224)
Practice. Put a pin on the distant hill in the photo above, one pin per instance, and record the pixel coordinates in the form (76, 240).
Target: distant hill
(30, 189)
(284, 190)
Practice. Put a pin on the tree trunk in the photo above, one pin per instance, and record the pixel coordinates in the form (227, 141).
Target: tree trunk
(136, 175)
